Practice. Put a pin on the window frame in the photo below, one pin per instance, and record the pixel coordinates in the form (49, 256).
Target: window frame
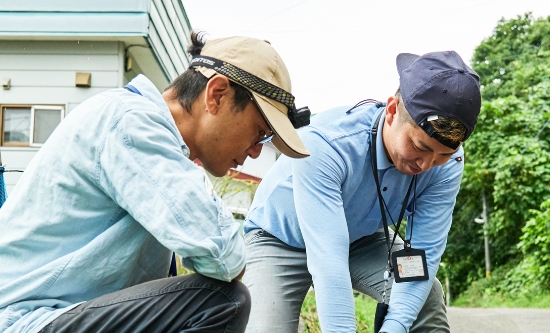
(33, 107)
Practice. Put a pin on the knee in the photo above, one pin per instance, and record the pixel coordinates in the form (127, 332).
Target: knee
(432, 317)
(437, 290)
(436, 297)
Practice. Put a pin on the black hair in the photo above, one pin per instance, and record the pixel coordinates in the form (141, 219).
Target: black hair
(190, 84)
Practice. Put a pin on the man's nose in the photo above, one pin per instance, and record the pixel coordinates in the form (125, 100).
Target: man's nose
(254, 150)
(426, 162)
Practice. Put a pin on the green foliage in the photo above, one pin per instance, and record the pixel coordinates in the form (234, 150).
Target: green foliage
(508, 160)
(514, 58)
(229, 185)
(365, 307)
(309, 314)
(494, 292)
(535, 246)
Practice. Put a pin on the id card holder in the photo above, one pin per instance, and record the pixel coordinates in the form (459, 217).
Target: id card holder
(409, 265)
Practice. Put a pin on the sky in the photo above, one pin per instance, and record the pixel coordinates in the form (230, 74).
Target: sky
(340, 52)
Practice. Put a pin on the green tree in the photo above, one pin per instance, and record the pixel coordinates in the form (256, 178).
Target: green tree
(508, 156)
(514, 58)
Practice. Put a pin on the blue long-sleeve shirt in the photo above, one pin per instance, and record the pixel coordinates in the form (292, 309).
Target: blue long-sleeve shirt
(102, 206)
(328, 200)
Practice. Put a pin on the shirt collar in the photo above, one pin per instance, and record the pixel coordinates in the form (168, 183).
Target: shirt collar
(148, 90)
(382, 159)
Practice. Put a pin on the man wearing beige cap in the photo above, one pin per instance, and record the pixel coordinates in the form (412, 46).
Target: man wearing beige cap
(88, 234)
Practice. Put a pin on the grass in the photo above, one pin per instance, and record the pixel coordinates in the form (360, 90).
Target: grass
(365, 307)
(539, 301)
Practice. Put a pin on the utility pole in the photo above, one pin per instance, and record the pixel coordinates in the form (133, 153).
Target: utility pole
(483, 220)
(447, 284)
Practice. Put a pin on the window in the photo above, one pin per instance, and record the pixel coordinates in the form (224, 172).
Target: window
(29, 126)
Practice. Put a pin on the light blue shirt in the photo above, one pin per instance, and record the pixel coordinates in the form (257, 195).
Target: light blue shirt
(329, 200)
(102, 206)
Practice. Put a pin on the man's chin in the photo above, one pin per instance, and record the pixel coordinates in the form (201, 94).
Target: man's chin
(215, 170)
(218, 172)
(407, 170)
(406, 173)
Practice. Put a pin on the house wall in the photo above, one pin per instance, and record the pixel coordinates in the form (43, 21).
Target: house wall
(168, 35)
(155, 31)
(15, 159)
(44, 72)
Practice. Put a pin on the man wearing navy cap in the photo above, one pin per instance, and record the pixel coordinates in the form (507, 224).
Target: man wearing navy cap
(324, 220)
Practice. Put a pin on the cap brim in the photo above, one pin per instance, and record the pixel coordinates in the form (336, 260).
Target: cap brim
(286, 138)
(404, 61)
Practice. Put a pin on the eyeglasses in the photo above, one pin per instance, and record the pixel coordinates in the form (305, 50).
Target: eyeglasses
(265, 138)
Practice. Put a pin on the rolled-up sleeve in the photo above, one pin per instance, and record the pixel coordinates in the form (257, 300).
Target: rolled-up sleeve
(142, 168)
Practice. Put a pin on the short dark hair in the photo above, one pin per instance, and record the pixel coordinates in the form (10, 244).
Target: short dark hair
(190, 84)
(448, 128)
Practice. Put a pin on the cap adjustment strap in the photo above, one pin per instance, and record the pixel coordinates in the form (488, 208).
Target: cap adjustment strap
(428, 128)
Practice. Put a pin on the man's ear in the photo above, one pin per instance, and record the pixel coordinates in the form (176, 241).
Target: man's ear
(217, 92)
(391, 109)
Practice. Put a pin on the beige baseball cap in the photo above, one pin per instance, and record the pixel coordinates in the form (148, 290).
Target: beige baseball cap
(255, 65)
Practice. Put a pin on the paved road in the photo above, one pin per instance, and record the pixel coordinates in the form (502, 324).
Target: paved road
(474, 320)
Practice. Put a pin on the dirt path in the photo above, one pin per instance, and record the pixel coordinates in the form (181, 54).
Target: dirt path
(475, 320)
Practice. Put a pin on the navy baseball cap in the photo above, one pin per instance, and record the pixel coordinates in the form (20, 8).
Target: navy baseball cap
(439, 84)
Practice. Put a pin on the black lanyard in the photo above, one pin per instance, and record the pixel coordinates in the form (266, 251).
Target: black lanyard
(383, 209)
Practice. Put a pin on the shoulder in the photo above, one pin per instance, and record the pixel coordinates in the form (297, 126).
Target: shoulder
(337, 124)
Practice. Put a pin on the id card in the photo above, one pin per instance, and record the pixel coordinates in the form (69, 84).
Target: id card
(409, 265)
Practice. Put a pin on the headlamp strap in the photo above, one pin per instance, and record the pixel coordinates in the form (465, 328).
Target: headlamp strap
(245, 79)
(298, 117)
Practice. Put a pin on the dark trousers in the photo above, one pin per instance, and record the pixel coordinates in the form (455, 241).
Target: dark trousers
(187, 303)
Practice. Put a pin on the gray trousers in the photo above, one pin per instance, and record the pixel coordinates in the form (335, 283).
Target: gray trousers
(278, 280)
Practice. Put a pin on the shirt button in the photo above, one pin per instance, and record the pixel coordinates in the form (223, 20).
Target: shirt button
(385, 188)
(185, 151)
